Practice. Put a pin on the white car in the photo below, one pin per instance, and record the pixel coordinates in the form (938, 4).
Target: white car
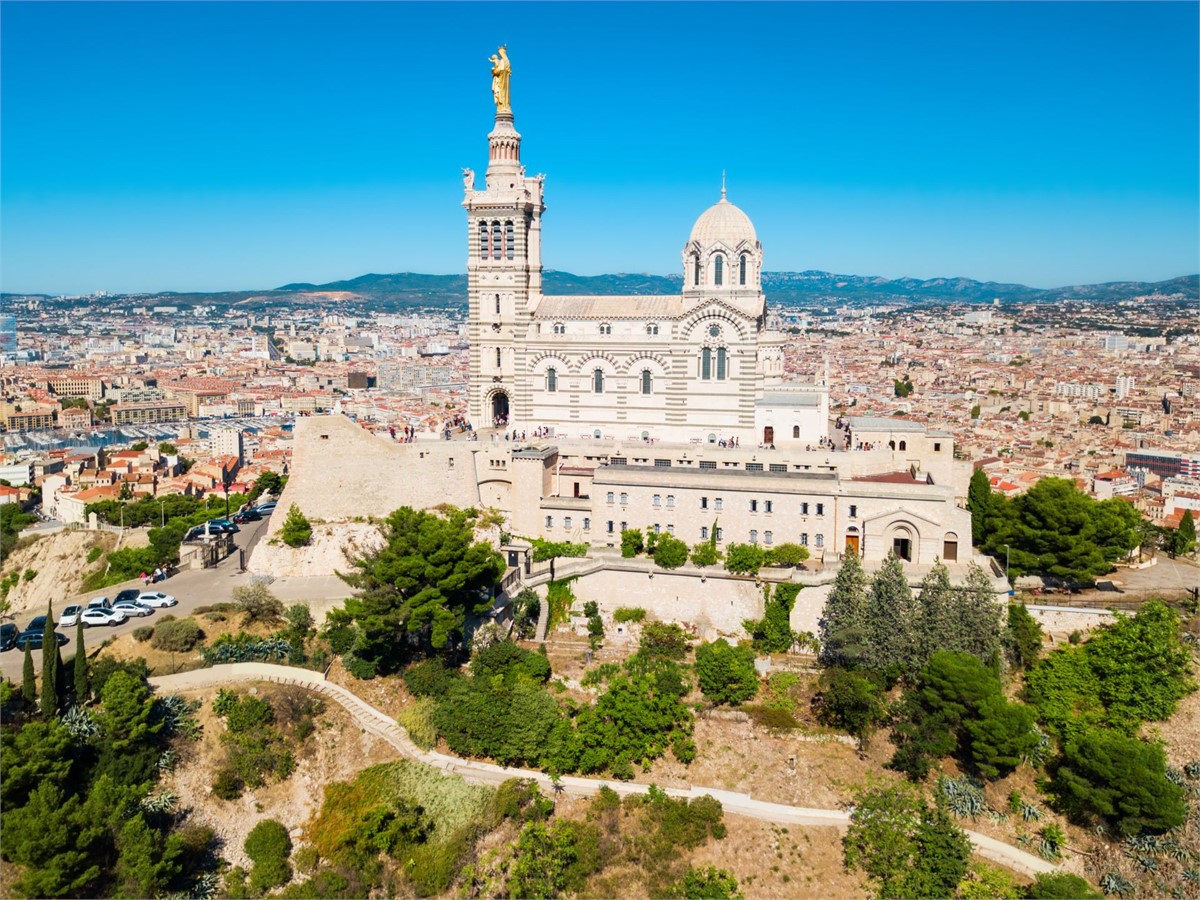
(99, 603)
(133, 608)
(156, 599)
(97, 616)
(70, 616)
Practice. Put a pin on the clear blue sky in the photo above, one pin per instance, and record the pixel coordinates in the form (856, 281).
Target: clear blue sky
(218, 146)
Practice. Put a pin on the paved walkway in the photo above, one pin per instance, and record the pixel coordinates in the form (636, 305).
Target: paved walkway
(377, 723)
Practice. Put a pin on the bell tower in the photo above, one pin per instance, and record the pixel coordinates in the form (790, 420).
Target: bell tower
(504, 267)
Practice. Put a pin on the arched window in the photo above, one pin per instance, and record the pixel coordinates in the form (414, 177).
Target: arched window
(598, 381)
(560, 328)
(706, 363)
(646, 381)
(718, 270)
(483, 240)
(652, 328)
(695, 270)
(552, 380)
(605, 328)
(742, 269)
(721, 364)
(497, 357)
(903, 445)
(508, 239)
(795, 431)
(497, 239)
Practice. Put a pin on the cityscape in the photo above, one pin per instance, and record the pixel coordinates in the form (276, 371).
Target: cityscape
(738, 577)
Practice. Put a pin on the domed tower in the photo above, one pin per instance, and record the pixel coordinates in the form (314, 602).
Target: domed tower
(723, 257)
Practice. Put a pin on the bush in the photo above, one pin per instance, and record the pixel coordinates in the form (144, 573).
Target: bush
(709, 883)
(670, 552)
(362, 669)
(430, 678)
(705, 554)
(258, 603)
(631, 542)
(417, 720)
(1061, 886)
(787, 555)
(94, 554)
(726, 673)
(744, 559)
(296, 530)
(269, 846)
(1022, 638)
(773, 718)
(142, 633)
(176, 636)
(852, 701)
(624, 614)
(661, 640)
(228, 785)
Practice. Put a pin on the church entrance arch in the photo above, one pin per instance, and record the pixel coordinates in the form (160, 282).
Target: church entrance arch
(499, 409)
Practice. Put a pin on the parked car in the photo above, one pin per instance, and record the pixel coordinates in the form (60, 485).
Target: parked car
(127, 594)
(8, 636)
(97, 616)
(70, 616)
(99, 603)
(246, 515)
(265, 509)
(34, 633)
(156, 599)
(132, 608)
(223, 525)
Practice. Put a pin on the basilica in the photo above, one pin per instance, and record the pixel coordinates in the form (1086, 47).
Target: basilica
(699, 367)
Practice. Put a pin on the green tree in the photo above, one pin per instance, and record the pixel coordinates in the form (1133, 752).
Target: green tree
(43, 837)
(128, 711)
(548, 551)
(268, 846)
(50, 673)
(708, 883)
(1001, 737)
(296, 530)
(1022, 638)
(429, 572)
(1107, 775)
(258, 603)
(726, 674)
(80, 666)
(670, 552)
(979, 502)
(892, 644)
(40, 752)
(1183, 541)
(976, 616)
(705, 554)
(787, 554)
(936, 625)
(852, 701)
(553, 859)
(904, 846)
(744, 559)
(146, 864)
(844, 620)
(631, 542)
(28, 681)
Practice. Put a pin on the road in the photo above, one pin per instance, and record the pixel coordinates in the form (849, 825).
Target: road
(382, 725)
(193, 587)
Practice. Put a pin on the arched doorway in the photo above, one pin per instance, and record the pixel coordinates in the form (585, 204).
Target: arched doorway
(499, 409)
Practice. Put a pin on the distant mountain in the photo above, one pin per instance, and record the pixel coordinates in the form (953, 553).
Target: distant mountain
(408, 290)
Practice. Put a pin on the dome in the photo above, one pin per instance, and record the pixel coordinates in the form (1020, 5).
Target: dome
(724, 223)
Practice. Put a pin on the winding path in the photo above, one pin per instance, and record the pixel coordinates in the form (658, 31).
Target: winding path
(377, 723)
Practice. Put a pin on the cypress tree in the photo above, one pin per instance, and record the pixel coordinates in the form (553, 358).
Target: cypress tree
(979, 502)
(844, 620)
(1185, 535)
(936, 626)
(978, 611)
(28, 684)
(891, 621)
(49, 666)
(81, 671)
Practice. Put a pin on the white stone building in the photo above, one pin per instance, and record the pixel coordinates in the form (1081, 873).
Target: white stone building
(699, 367)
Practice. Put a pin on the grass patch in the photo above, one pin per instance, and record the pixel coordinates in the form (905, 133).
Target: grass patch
(561, 598)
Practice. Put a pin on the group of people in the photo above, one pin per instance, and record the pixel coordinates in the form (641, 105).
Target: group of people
(408, 434)
(158, 575)
(733, 443)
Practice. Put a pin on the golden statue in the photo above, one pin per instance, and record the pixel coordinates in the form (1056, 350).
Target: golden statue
(501, 73)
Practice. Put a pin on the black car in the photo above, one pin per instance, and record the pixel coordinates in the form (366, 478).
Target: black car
(246, 515)
(8, 636)
(35, 632)
(127, 594)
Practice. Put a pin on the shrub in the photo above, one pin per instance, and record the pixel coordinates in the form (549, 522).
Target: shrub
(142, 633)
(661, 640)
(560, 598)
(744, 559)
(29, 575)
(269, 846)
(1022, 638)
(296, 530)
(787, 555)
(94, 554)
(176, 635)
(726, 673)
(709, 883)
(417, 720)
(228, 785)
(362, 669)
(771, 717)
(670, 552)
(1061, 886)
(299, 618)
(852, 701)
(258, 603)
(624, 614)
(705, 554)
(429, 678)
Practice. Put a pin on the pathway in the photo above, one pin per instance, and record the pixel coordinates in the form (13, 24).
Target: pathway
(377, 723)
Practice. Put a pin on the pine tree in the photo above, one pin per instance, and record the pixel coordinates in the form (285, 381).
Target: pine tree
(936, 627)
(891, 621)
(81, 668)
(28, 684)
(979, 502)
(49, 666)
(844, 619)
(978, 614)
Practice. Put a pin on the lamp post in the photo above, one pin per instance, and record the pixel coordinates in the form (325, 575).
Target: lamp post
(1006, 565)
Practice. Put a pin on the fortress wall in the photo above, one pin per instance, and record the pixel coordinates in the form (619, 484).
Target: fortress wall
(342, 471)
